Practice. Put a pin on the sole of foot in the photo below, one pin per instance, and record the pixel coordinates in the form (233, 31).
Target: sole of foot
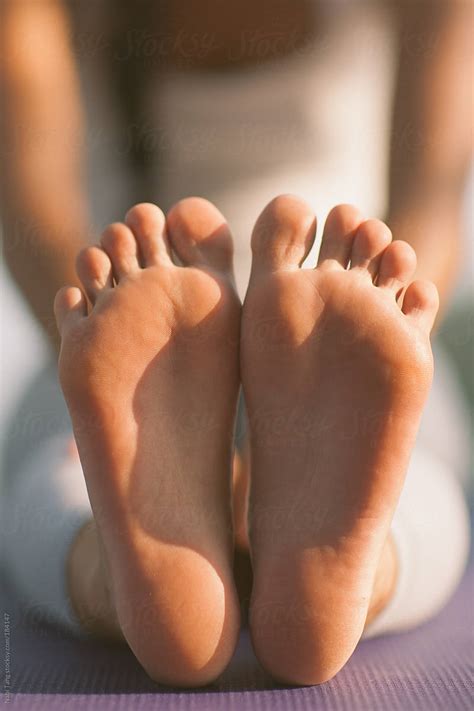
(149, 367)
(336, 366)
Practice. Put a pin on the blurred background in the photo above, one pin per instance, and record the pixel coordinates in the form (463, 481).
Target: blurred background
(105, 104)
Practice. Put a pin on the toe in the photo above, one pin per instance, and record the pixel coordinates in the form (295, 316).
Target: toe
(94, 270)
(421, 303)
(199, 234)
(283, 234)
(339, 231)
(120, 244)
(397, 266)
(149, 227)
(69, 306)
(371, 239)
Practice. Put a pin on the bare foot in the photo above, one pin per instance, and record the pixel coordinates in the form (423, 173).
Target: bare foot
(151, 377)
(335, 376)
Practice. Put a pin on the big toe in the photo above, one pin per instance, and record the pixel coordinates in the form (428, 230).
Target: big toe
(199, 234)
(283, 234)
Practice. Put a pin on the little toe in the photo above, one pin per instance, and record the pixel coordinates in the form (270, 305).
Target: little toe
(69, 307)
(149, 227)
(283, 234)
(120, 244)
(339, 232)
(94, 269)
(371, 239)
(397, 266)
(200, 235)
(421, 303)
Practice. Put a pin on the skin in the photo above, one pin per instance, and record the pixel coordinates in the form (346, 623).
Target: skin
(320, 510)
(431, 149)
(44, 205)
(335, 375)
(43, 112)
(162, 513)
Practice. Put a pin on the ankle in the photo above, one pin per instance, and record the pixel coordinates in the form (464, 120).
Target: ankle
(86, 580)
(385, 581)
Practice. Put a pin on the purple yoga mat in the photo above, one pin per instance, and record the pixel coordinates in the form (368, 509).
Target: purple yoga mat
(427, 669)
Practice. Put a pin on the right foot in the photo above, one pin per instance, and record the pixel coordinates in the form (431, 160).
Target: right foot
(151, 379)
(335, 375)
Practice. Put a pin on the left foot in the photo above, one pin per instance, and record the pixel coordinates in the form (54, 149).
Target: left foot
(335, 375)
(150, 373)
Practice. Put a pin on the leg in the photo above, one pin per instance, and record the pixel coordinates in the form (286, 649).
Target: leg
(385, 581)
(43, 507)
(430, 538)
(88, 585)
(242, 564)
(335, 376)
(150, 376)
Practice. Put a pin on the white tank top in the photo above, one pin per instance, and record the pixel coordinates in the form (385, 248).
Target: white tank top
(314, 124)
